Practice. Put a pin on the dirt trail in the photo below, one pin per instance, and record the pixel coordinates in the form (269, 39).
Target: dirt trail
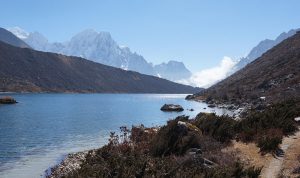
(284, 165)
(272, 166)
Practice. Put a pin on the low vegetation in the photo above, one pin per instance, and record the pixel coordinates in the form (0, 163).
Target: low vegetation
(265, 128)
(221, 128)
(165, 152)
(190, 147)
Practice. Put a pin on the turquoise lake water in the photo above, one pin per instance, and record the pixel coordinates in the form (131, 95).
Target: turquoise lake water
(41, 128)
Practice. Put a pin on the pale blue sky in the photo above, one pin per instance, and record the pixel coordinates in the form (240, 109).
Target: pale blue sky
(199, 33)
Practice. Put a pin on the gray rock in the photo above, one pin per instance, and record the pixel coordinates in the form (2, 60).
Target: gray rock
(172, 107)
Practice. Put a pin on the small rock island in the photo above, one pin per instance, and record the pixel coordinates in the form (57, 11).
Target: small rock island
(172, 107)
(7, 100)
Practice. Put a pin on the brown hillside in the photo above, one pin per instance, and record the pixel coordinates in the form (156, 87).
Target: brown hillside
(23, 69)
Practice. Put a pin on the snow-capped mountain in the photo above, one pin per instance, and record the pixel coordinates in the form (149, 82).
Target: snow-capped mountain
(19, 32)
(263, 47)
(37, 41)
(102, 48)
(9, 38)
(172, 70)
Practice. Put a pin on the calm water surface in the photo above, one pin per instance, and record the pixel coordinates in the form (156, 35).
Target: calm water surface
(41, 128)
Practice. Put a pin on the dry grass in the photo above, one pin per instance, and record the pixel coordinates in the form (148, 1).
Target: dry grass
(272, 166)
(248, 153)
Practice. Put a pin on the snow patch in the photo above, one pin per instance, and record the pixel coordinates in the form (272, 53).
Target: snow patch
(19, 32)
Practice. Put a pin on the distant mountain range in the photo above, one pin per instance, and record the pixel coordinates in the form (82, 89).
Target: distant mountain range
(263, 47)
(27, 70)
(275, 76)
(102, 48)
(173, 70)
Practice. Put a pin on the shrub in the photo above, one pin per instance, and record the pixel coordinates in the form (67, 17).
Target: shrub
(175, 139)
(270, 140)
(280, 116)
(247, 135)
(268, 127)
(221, 128)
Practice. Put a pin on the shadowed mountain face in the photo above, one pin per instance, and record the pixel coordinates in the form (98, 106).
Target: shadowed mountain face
(9, 38)
(275, 75)
(28, 70)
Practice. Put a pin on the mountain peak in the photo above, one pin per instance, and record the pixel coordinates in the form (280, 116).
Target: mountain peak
(88, 31)
(19, 32)
(92, 33)
(263, 47)
(175, 63)
(9, 38)
(173, 70)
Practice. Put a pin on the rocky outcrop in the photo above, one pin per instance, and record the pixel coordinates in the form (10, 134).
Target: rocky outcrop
(172, 107)
(7, 100)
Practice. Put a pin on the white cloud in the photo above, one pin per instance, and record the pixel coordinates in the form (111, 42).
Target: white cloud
(207, 77)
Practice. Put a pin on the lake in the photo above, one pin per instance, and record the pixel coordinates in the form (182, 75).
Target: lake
(41, 128)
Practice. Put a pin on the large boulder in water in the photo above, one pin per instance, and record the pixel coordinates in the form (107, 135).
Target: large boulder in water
(171, 107)
(7, 100)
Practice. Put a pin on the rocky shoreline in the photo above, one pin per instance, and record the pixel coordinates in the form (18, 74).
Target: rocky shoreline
(68, 164)
(240, 109)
